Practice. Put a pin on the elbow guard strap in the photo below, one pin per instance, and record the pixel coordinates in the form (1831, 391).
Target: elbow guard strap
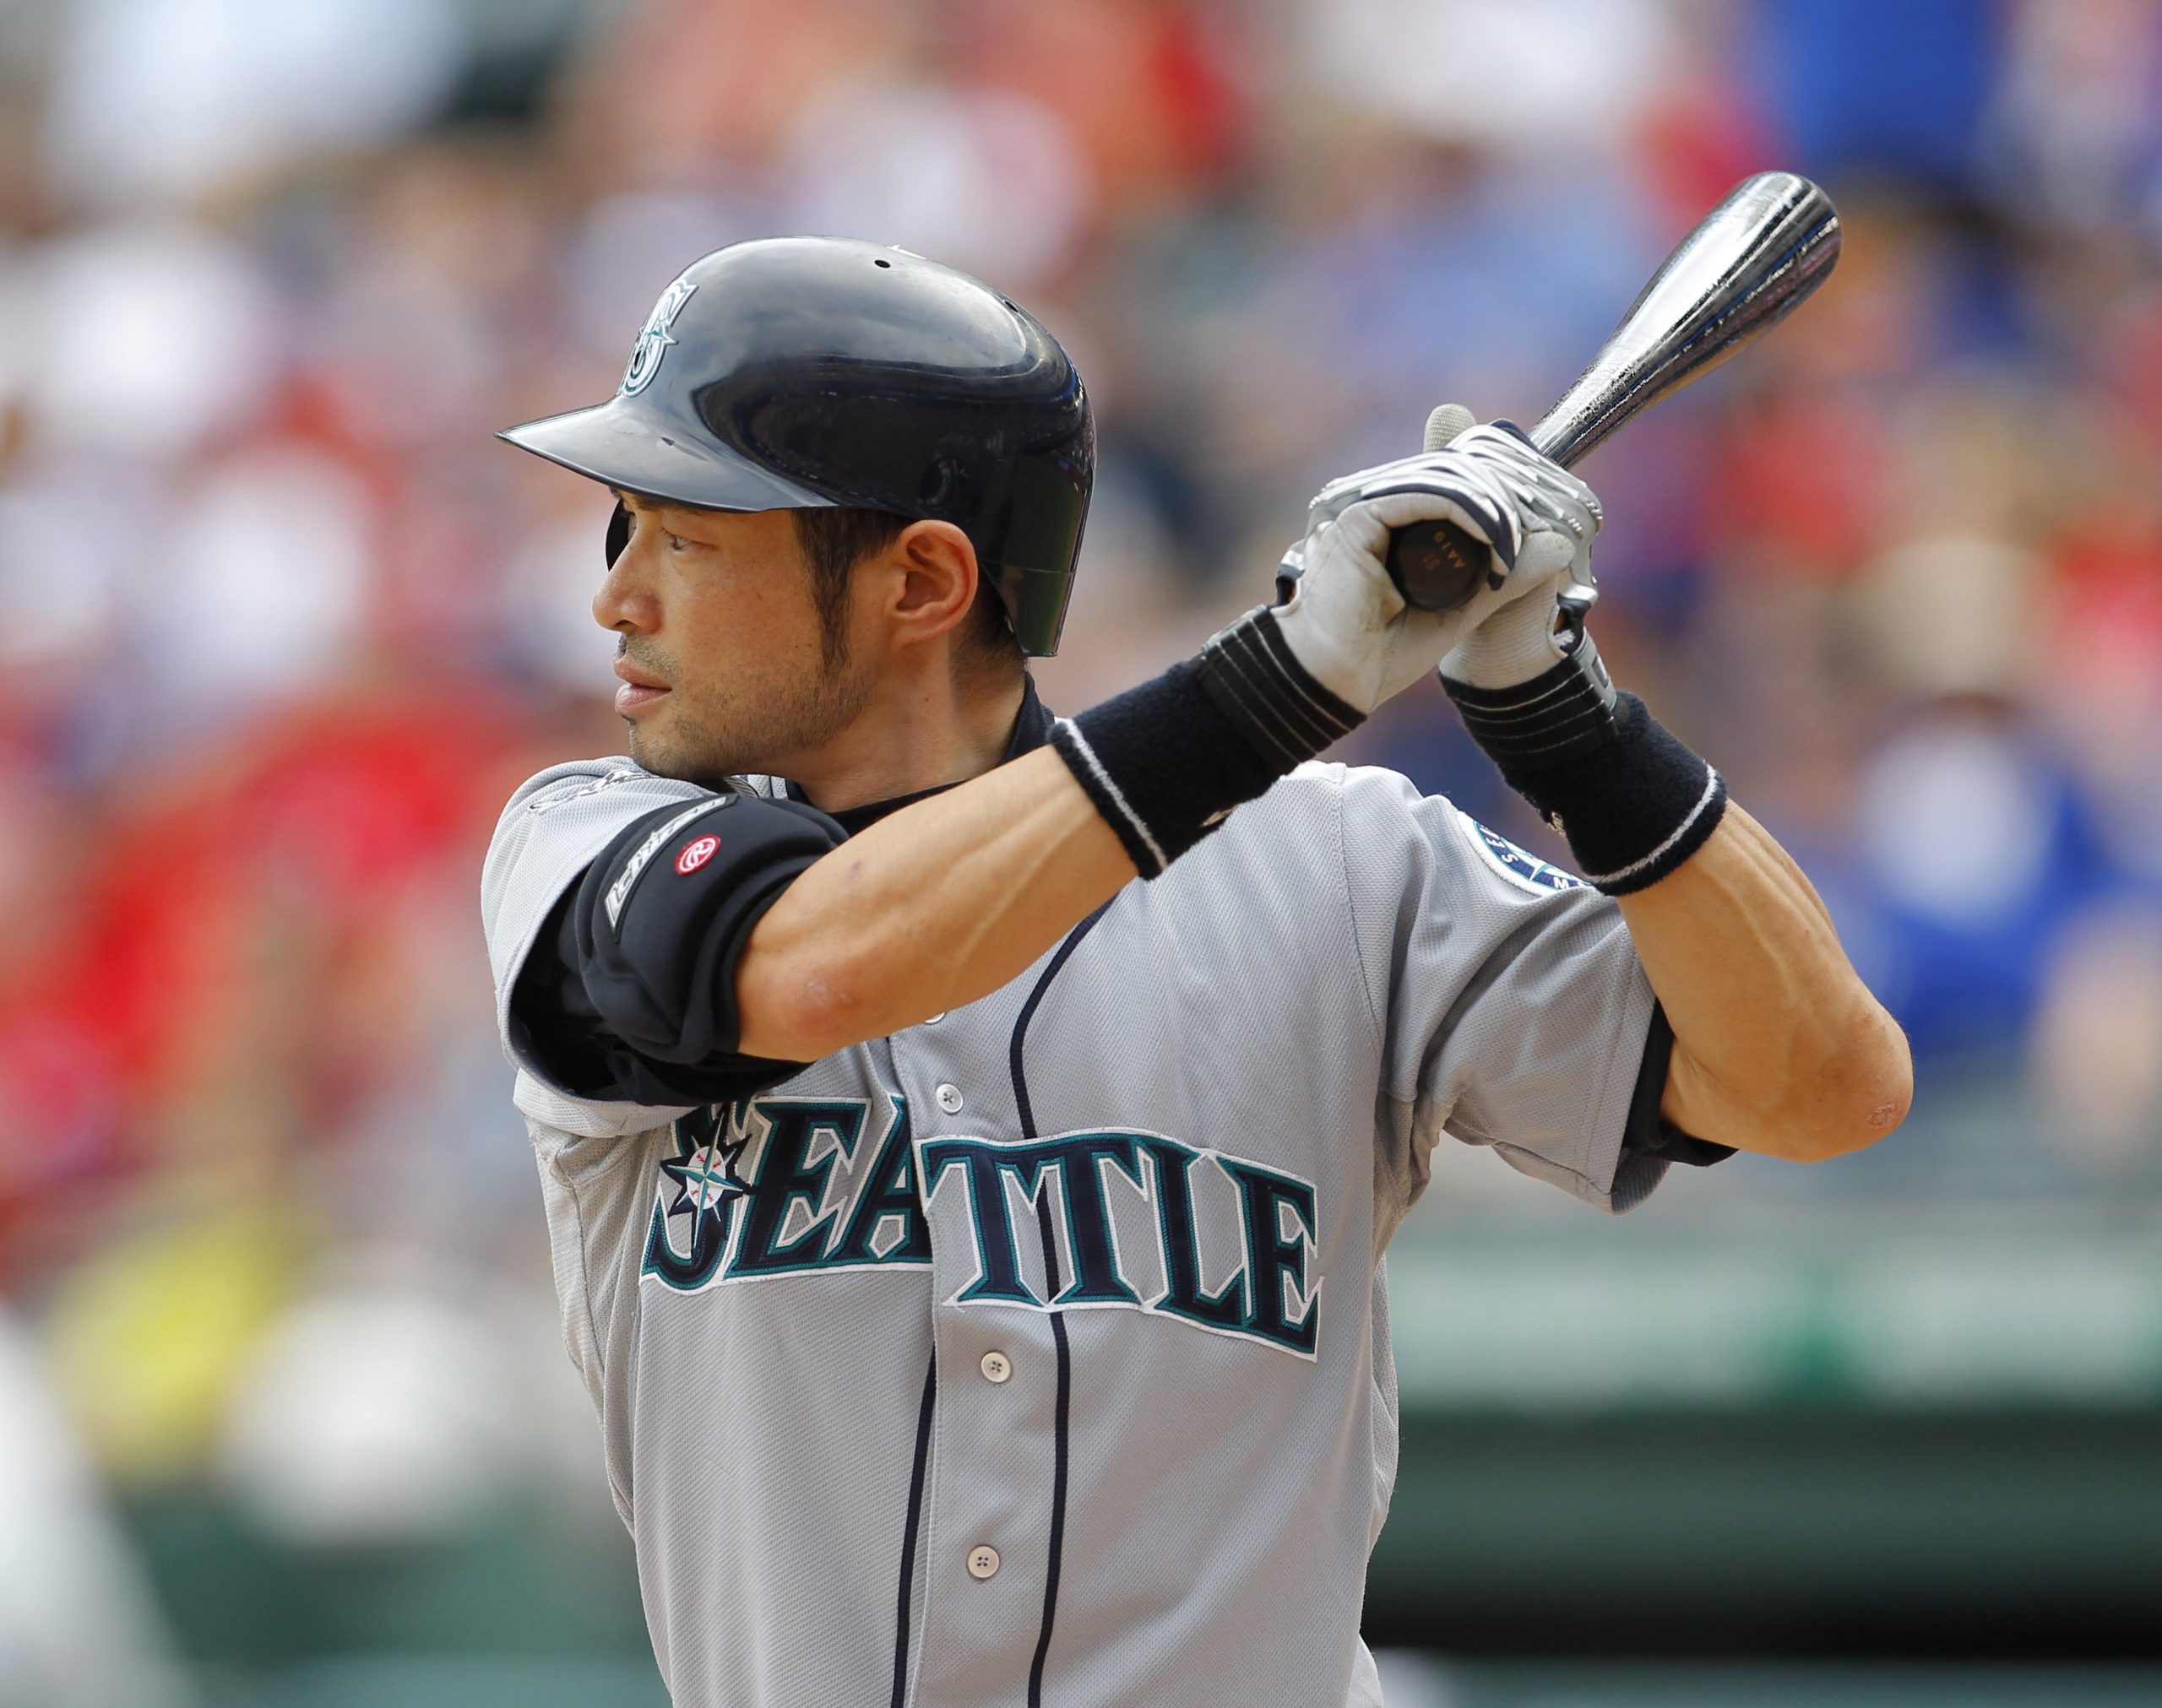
(661, 917)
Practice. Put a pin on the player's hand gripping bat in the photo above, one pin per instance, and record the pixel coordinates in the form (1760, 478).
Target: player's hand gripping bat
(1751, 260)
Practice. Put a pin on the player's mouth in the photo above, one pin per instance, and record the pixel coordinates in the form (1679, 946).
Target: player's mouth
(640, 688)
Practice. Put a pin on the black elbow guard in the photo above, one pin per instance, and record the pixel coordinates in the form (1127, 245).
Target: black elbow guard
(661, 917)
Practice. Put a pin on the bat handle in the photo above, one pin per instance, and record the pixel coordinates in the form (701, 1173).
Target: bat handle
(1436, 565)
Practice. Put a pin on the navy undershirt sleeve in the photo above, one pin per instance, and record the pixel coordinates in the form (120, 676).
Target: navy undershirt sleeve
(1649, 1132)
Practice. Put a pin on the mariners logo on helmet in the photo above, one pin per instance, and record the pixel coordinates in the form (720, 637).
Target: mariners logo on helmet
(654, 341)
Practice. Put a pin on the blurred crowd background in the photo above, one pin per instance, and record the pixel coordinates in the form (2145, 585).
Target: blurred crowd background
(284, 1415)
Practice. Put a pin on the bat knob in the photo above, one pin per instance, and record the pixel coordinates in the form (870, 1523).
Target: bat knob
(1437, 566)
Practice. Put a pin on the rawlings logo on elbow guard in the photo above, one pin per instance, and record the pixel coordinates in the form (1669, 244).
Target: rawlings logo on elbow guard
(697, 854)
(627, 879)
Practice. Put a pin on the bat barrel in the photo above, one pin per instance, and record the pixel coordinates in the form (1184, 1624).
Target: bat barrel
(1750, 262)
(1753, 258)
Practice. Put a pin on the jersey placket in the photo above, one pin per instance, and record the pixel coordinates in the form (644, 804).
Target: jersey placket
(989, 1556)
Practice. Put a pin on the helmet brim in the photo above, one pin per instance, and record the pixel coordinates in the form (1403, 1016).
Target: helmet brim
(629, 446)
(636, 449)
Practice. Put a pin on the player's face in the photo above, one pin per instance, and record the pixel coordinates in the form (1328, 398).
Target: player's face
(723, 657)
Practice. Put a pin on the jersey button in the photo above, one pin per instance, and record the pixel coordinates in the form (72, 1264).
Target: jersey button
(949, 1098)
(983, 1561)
(995, 1367)
(936, 1018)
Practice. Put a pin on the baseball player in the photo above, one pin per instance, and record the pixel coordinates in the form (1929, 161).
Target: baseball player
(970, 1135)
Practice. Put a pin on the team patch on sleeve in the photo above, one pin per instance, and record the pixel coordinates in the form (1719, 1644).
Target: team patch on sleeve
(1526, 871)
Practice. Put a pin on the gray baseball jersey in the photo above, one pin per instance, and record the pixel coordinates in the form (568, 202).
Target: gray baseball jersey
(1040, 1353)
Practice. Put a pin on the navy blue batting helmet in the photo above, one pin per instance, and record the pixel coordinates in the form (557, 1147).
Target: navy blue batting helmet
(795, 373)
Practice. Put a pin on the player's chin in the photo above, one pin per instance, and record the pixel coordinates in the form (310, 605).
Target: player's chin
(649, 747)
(667, 753)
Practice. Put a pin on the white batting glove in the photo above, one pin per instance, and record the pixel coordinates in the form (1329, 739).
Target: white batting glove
(1538, 619)
(1526, 678)
(1345, 621)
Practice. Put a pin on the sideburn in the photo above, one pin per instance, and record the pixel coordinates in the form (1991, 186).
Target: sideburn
(833, 543)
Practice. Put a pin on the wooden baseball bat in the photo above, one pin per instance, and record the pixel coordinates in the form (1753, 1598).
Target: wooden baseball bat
(1749, 263)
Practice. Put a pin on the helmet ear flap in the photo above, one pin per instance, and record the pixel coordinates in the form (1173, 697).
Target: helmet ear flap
(619, 533)
(812, 373)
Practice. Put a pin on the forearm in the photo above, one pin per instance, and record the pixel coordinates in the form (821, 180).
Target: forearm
(1779, 1046)
(932, 907)
(947, 900)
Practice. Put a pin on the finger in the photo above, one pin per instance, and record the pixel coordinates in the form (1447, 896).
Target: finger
(1503, 436)
(1471, 487)
(1496, 475)
(1348, 489)
(1445, 423)
(1340, 496)
(1402, 506)
(1539, 492)
(1345, 489)
(1497, 448)
(1461, 487)
(1545, 554)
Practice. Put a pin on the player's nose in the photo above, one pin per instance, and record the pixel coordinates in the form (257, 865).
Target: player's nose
(623, 603)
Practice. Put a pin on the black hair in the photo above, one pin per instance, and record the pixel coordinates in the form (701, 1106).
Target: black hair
(835, 540)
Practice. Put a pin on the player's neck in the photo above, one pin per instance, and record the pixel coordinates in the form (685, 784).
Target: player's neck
(930, 731)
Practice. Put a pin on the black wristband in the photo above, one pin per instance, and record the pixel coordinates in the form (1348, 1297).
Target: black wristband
(1570, 709)
(1249, 669)
(1633, 806)
(1165, 762)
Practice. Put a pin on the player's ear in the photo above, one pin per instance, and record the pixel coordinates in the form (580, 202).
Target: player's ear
(932, 577)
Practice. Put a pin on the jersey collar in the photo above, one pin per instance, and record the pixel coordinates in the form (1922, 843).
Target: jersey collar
(1031, 730)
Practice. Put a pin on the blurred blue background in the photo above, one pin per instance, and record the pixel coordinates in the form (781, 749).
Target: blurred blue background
(285, 1418)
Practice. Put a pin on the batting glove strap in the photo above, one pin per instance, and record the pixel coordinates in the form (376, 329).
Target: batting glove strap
(1633, 806)
(1563, 711)
(1165, 763)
